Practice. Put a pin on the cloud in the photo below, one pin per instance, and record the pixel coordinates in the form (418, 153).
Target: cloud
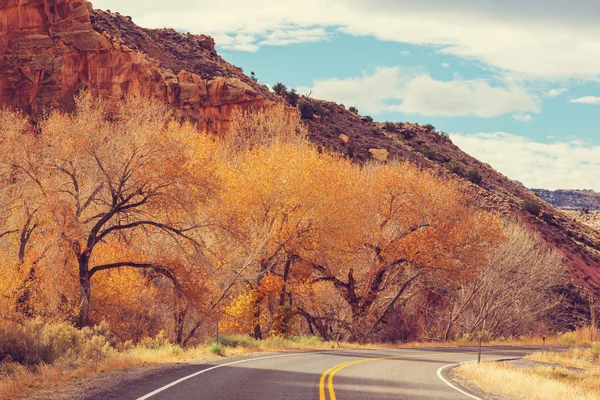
(586, 100)
(368, 92)
(430, 97)
(404, 53)
(446, 65)
(558, 165)
(534, 38)
(552, 93)
(412, 91)
(523, 117)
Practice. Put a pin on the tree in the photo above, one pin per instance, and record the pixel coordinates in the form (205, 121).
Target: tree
(104, 177)
(353, 110)
(514, 290)
(422, 230)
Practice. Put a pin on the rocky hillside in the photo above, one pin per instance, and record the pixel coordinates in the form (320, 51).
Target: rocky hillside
(51, 49)
(570, 199)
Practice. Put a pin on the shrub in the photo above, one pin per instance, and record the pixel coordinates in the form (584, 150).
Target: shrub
(307, 110)
(548, 218)
(474, 176)
(455, 168)
(292, 98)
(280, 89)
(238, 341)
(531, 207)
(353, 110)
(216, 349)
(390, 127)
(156, 342)
(429, 127)
(36, 342)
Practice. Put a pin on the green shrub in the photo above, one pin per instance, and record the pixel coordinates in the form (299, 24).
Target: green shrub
(238, 341)
(292, 98)
(307, 110)
(353, 110)
(548, 218)
(531, 207)
(216, 349)
(390, 127)
(474, 176)
(280, 89)
(429, 127)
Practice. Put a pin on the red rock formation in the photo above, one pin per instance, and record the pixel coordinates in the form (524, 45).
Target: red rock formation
(50, 51)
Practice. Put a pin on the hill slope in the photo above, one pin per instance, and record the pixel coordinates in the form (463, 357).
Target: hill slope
(51, 49)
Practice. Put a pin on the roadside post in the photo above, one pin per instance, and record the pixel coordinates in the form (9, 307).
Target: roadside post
(479, 352)
(543, 344)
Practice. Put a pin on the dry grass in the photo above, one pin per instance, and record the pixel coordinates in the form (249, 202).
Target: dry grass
(556, 381)
(540, 383)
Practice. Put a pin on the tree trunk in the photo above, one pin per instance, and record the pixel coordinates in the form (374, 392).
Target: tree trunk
(85, 292)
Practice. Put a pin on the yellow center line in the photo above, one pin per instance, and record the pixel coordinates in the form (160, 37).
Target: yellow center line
(330, 373)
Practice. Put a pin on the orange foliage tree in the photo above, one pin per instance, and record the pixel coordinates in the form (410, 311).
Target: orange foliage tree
(110, 186)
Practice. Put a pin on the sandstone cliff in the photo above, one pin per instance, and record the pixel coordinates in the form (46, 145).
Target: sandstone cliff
(49, 51)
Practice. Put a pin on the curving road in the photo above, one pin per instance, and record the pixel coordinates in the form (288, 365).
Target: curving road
(320, 375)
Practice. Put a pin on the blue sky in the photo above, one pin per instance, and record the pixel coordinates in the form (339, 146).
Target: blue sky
(515, 82)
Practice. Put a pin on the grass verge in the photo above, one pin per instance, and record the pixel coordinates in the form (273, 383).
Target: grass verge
(558, 381)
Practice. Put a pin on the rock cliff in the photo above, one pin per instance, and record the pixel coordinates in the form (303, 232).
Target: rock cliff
(50, 51)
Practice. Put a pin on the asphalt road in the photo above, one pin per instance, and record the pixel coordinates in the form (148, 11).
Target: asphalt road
(321, 375)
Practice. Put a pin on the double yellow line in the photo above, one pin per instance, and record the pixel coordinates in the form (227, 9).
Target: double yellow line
(326, 381)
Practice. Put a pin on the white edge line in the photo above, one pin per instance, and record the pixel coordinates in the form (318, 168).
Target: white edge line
(185, 378)
(439, 374)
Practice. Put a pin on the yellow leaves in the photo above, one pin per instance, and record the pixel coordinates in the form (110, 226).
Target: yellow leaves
(239, 314)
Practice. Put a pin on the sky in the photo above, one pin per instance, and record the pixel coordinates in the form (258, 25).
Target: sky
(516, 83)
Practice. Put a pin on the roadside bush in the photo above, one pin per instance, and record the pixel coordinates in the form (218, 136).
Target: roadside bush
(156, 342)
(217, 349)
(36, 342)
(238, 341)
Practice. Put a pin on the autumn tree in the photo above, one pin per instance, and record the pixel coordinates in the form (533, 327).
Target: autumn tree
(512, 293)
(110, 184)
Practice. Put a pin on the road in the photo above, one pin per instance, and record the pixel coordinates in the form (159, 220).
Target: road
(319, 375)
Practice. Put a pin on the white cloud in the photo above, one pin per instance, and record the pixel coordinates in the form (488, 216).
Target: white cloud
(368, 92)
(586, 100)
(446, 65)
(411, 91)
(552, 93)
(558, 165)
(533, 38)
(427, 96)
(523, 117)
(404, 53)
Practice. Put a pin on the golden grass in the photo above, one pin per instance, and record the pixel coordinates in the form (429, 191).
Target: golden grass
(550, 382)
